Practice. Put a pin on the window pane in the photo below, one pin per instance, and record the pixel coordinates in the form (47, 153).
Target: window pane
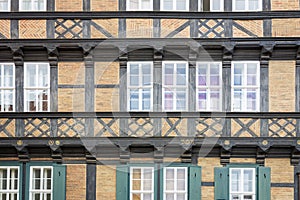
(181, 197)
(43, 76)
(146, 4)
(251, 100)
(202, 99)
(26, 4)
(146, 99)
(235, 179)
(136, 197)
(181, 99)
(181, 185)
(181, 75)
(168, 100)
(248, 197)
(181, 173)
(181, 5)
(202, 75)
(237, 105)
(169, 72)
(169, 196)
(240, 5)
(216, 5)
(238, 72)
(134, 99)
(147, 197)
(147, 184)
(146, 71)
(134, 4)
(31, 76)
(8, 76)
(215, 100)
(39, 4)
(253, 4)
(248, 180)
(167, 4)
(4, 5)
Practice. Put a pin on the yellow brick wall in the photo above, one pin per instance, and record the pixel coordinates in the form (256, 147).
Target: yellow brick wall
(255, 26)
(243, 160)
(106, 182)
(208, 165)
(71, 100)
(76, 182)
(5, 28)
(285, 4)
(106, 99)
(139, 28)
(278, 175)
(71, 73)
(104, 5)
(170, 25)
(68, 5)
(282, 86)
(286, 27)
(110, 25)
(282, 193)
(107, 73)
(35, 29)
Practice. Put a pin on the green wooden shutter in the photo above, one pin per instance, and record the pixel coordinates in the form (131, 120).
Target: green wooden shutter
(194, 182)
(221, 183)
(263, 183)
(122, 186)
(59, 182)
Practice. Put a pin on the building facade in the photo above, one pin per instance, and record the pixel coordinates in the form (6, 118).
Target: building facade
(149, 99)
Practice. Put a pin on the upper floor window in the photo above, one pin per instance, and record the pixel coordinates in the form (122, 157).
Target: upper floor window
(175, 5)
(142, 183)
(9, 182)
(140, 5)
(175, 183)
(246, 5)
(7, 87)
(37, 86)
(209, 86)
(211, 5)
(33, 5)
(140, 86)
(40, 183)
(175, 86)
(242, 183)
(4, 5)
(245, 86)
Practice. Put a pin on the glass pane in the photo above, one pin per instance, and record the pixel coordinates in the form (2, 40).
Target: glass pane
(181, 174)
(170, 185)
(168, 100)
(169, 173)
(136, 197)
(235, 180)
(145, 4)
(147, 185)
(169, 196)
(181, 99)
(248, 197)
(136, 173)
(181, 197)
(237, 105)
(146, 71)
(148, 174)
(253, 5)
(181, 185)
(134, 4)
(202, 100)
(39, 4)
(216, 5)
(248, 180)
(235, 197)
(8, 76)
(181, 5)
(181, 76)
(215, 100)
(31, 76)
(4, 5)
(240, 5)
(43, 76)
(26, 4)
(167, 4)
(147, 196)
(238, 72)
(251, 100)
(136, 185)
(48, 196)
(134, 99)
(202, 75)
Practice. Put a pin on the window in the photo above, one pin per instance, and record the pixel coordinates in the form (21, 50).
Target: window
(175, 86)
(211, 5)
(245, 86)
(246, 5)
(9, 183)
(174, 5)
(4, 5)
(208, 84)
(140, 86)
(175, 183)
(41, 183)
(141, 183)
(7, 87)
(139, 5)
(37, 86)
(151, 181)
(242, 184)
(33, 5)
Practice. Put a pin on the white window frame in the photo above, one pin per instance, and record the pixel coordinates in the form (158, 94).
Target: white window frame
(187, 4)
(245, 86)
(128, 6)
(174, 87)
(21, 8)
(241, 183)
(40, 191)
(200, 6)
(7, 88)
(209, 87)
(140, 86)
(165, 191)
(9, 191)
(8, 7)
(142, 178)
(36, 88)
(247, 6)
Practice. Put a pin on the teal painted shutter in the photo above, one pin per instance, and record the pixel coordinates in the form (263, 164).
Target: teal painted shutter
(59, 182)
(122, 182)
(221, 183)
(194, 182)
(264, 183)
